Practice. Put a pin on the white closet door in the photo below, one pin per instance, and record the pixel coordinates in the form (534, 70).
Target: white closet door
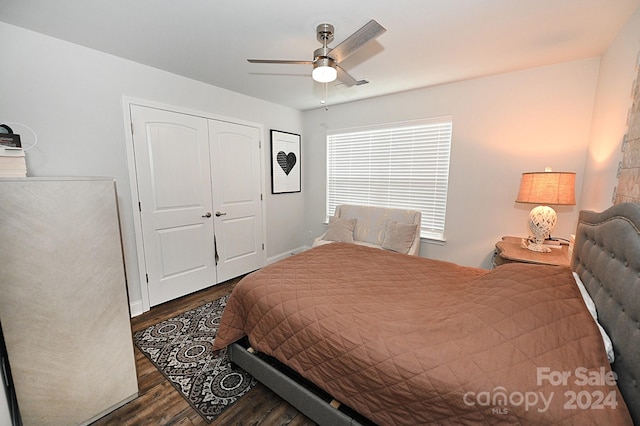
(188, 168)
(237, 197)
(174, 188)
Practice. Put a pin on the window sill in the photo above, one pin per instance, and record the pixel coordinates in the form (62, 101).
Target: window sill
(433, 241)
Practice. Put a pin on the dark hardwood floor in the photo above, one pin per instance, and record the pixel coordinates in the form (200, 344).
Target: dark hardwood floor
(159, 403)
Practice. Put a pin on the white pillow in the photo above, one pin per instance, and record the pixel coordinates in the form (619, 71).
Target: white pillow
(608, 345)
(399, 236)
(340, 229)
(586, 297)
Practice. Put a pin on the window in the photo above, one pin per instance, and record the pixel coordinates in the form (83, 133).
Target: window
(402, 165)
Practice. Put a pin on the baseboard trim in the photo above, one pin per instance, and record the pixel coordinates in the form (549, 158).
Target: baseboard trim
(286, 254)
(136, 308)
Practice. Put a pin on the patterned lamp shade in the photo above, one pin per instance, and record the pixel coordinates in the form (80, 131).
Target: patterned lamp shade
(545, 188)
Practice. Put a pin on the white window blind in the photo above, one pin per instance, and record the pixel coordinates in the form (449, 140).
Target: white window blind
(403, 165)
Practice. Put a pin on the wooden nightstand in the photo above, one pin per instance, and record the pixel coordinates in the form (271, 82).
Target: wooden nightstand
(510, 250)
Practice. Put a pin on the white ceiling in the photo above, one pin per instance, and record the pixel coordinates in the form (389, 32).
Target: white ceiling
(428, 42)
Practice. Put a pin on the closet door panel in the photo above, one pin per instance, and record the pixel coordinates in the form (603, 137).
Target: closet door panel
(174, 190)
(237, 197)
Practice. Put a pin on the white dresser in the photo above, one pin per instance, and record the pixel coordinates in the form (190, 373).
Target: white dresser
(63, 300)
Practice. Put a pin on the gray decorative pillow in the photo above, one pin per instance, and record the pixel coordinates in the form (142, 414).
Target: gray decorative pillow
(399, 236)
(340, 229)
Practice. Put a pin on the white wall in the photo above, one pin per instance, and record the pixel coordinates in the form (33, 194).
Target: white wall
(502, 126)
(613, 100)
(71, 97)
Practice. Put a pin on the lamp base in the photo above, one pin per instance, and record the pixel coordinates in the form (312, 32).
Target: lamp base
(542, 220)
(540, 248)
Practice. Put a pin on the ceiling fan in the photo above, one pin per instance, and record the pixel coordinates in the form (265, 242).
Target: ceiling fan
(326, 60)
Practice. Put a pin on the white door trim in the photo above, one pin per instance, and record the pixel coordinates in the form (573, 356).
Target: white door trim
(139, 258)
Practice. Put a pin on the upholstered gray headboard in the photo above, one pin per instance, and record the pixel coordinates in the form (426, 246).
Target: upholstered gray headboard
(606, 256)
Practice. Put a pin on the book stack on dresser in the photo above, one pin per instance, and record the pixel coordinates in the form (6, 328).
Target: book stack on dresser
(12, 162)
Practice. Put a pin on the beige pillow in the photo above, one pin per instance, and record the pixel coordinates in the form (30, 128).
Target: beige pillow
(399, 236)
(340, 229)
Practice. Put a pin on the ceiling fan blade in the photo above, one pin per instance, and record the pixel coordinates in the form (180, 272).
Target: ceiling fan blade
(355, 41)
(278, 61)
(345, 77)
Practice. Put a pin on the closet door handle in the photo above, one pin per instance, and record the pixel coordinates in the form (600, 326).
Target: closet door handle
(218, 214)
(207, 214)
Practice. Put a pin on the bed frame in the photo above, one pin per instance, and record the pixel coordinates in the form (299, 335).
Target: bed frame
(293, 388)
(606, 256)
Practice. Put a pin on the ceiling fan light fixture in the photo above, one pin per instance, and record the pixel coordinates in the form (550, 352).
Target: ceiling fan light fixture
(324, 70)
(326, 60)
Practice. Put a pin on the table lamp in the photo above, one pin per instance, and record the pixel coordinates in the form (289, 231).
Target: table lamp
(545, 188)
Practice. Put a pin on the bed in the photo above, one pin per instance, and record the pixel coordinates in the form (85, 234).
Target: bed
(354, 335)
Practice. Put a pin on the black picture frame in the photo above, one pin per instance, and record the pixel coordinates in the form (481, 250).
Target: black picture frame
(286, 176)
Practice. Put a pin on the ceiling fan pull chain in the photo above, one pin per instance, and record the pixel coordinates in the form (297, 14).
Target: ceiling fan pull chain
(326, 96)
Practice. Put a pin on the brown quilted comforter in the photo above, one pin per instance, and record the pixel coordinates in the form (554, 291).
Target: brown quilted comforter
(408, 340)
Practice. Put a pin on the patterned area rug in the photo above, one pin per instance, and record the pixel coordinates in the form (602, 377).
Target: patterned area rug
(181, 348)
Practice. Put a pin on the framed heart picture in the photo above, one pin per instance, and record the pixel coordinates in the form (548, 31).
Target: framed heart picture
(285, 162)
